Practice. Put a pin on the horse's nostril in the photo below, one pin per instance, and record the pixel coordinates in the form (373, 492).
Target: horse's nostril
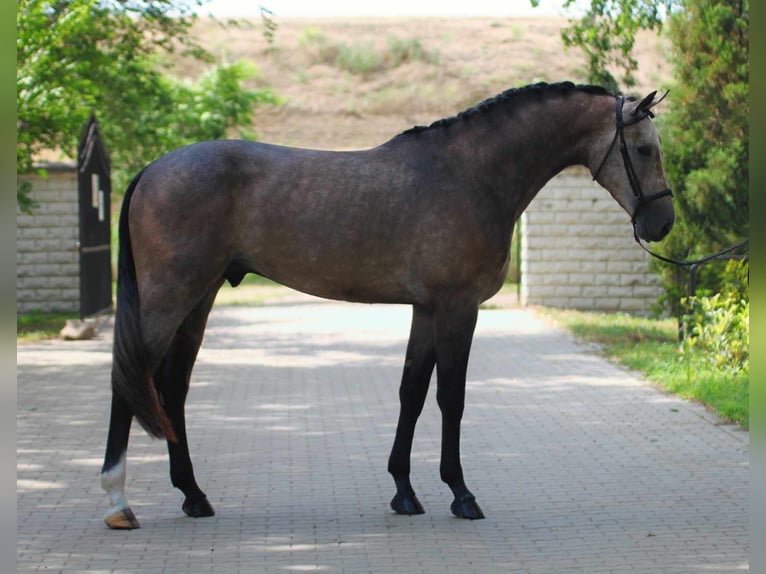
(666, 229)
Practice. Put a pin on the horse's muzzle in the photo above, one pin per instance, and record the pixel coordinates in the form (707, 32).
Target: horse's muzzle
(653, 221)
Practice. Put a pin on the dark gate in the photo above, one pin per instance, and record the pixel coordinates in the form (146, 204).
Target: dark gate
(94, 187)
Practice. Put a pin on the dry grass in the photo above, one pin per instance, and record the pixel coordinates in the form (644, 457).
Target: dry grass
(329, 105)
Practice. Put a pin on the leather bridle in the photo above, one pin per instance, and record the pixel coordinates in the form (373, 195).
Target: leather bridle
(635, 184)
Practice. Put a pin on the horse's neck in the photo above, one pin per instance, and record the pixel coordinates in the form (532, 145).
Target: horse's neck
(526, 148)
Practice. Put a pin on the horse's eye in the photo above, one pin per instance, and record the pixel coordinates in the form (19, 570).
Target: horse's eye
(645, 150)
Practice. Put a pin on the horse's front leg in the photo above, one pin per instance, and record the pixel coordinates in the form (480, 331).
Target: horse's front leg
(453, 335)
(418, 367)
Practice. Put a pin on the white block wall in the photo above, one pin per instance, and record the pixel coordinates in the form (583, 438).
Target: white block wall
(47, 258)
(578, 251)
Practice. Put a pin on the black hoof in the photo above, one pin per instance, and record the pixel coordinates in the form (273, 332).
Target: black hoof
(466, 507)
(197, 508)
(407, 504)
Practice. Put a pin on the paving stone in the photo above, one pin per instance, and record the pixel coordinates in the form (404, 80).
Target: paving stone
(579, 465)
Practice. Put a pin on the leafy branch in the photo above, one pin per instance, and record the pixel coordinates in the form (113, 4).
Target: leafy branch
(607, 35)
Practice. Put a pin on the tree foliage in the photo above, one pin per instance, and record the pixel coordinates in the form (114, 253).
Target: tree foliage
(705, 130)
(75, 57)
(607, 34)
(707, 134)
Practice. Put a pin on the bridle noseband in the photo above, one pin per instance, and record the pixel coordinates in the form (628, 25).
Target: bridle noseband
(635, 185)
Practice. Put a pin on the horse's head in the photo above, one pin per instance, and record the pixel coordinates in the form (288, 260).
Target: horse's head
(631, 168)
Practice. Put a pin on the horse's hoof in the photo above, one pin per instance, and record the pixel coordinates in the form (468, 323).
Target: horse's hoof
(122, 520)
(197, 508)
(407, 504)
(466, 507)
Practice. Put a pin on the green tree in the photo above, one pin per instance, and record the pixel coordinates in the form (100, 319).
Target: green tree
(75, 57)
(707, 154)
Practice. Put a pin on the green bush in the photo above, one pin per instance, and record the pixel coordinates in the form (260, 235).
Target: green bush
(167, 113)
(716, 346)
(78, 57)
(717, 332)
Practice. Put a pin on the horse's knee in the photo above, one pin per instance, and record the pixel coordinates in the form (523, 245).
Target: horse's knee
(451, 402)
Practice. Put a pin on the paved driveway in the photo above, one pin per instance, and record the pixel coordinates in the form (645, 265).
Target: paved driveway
(579, 465)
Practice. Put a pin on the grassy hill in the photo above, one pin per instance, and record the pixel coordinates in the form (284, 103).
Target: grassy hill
(354, 83)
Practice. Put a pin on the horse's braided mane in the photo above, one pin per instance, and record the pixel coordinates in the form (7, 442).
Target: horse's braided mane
(509, 97)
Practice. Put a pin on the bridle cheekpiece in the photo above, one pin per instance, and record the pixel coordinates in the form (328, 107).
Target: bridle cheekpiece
(641, 113)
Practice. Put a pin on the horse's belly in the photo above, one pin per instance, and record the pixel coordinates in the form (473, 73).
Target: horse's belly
(348, 274)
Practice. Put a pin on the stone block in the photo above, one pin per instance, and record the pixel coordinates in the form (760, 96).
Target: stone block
(619, 291)
(594, 291)
(631, 279)
(558, 302)
(582, 303)
(569, 290)
(25, 246)
(619, 266)
(587, 266)
(582, 279)
(31, 257)
(647, 291)
(63, 257)
(24, 283)
(63, 282)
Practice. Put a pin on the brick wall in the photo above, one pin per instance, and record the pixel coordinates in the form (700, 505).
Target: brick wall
(47, 259)
(578, 252)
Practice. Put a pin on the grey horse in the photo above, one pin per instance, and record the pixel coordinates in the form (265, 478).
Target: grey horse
(424, 219)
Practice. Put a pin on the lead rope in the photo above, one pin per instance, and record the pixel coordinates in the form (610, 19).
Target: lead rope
(690, 262)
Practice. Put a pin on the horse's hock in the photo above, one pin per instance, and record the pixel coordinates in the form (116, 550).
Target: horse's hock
(578, 251)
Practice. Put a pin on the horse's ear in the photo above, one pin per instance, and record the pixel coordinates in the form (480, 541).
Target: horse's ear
(648, 103)
(645, 104)
(662, 97)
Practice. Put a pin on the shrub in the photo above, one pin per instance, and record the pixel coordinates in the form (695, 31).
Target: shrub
(402, 51)
(717, 333)
(361, 57)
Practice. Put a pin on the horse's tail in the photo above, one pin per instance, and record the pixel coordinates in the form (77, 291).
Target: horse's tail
(131, 365)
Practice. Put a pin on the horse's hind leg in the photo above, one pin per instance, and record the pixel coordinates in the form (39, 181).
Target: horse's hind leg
(171, 378)
(418, 367)
(119, 515)
(172, 381)
(453, 335)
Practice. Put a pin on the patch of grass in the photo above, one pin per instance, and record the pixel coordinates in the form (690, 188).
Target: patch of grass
(651, 347)
(358, 57)
(403, 50)
(311, 35)
(39, 326)
(361, 57)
